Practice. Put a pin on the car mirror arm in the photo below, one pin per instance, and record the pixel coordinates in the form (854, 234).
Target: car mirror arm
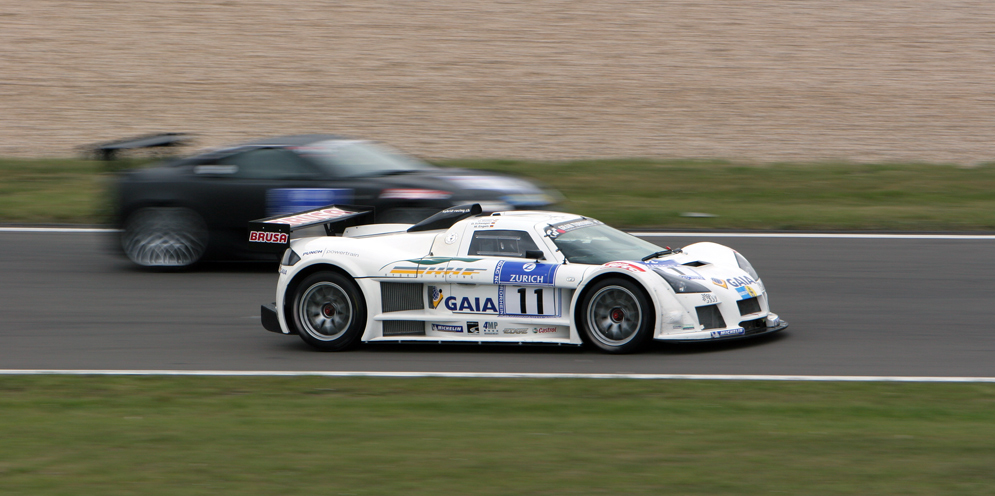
(536, 254)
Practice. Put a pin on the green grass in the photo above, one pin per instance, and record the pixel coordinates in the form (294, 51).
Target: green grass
(634, 193)
(311, 435)
(836, 196)
(54, 191)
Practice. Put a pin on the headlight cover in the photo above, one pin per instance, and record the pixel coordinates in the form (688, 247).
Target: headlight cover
(681, 285)
(745, 265)
(290, 257)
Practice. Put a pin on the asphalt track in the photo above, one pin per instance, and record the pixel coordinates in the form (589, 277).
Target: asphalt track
(857, 307)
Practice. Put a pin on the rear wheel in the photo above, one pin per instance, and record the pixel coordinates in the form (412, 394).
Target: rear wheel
(164, 237)
(617, 316)
(329, 311)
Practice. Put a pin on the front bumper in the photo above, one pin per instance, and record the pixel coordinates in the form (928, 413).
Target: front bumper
(723, 334)
(271, 322)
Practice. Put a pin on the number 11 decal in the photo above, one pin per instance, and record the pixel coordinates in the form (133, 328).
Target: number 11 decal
(524, 307)
(531, 301)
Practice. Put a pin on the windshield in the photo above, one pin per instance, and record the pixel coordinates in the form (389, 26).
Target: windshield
(591, 242)
(353, 158)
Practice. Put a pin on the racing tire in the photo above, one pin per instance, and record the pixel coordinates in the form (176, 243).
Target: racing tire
(329, 312)
(616, 316)
(164, 237)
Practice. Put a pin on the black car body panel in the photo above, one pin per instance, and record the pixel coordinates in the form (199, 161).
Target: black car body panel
(229, 187)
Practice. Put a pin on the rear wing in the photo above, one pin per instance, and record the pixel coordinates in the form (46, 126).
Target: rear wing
(272, 234)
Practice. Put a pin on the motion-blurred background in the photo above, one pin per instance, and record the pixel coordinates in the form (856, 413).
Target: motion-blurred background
(876, 80)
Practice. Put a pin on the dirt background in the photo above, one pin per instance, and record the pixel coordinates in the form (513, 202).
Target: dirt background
(750, 80)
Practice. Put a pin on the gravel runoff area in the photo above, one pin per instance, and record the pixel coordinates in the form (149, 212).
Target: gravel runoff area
(747, 80)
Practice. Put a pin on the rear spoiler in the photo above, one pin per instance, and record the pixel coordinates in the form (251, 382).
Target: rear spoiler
(273, 233)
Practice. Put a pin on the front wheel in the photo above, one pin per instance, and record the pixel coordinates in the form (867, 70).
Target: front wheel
(617, 316)
(329, 312)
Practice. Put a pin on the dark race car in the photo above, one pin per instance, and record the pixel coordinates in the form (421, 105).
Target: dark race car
(183, 211)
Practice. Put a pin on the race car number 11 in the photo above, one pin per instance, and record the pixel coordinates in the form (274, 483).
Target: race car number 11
(530, 301)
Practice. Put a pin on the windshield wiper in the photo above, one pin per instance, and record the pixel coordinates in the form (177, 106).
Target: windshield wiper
(666, 251)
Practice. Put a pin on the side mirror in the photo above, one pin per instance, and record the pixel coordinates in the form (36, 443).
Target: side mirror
(536, 254)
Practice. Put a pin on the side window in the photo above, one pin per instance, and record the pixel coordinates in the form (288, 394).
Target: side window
(268, 163)
(501, 243)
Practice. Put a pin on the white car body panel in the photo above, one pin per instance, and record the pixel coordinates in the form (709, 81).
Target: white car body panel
(479, 299)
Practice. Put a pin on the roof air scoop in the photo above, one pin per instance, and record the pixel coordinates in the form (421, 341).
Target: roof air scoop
(446, 218)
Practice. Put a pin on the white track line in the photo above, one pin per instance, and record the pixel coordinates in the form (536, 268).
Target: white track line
(814, 235)
(499, 375)
(989, 237)
(57, 229)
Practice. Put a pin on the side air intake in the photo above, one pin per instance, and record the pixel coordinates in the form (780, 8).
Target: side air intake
(399, 296)
(403, 328)
(710, 317)
(748, 306)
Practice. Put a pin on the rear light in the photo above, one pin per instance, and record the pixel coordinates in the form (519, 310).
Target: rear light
(414, 194)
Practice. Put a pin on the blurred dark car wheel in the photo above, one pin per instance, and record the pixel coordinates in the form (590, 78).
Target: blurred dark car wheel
(164, 237)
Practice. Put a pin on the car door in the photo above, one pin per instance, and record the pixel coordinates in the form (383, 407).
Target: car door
(253, 183)
(512, 285)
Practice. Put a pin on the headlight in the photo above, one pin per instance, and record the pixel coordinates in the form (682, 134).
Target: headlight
(745, 265)
(290, 257)
(681, 285)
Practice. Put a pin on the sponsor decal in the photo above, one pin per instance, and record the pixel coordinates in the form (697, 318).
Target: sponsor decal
(543, 330)
(473, 328)
(447, 328)
(484, 223)
(329, 251)
(746, 292)
(312, 252)
(434, 297)
(413, 271)
(452, 237)
(268, 237)
(516, 330)
(440, 260)
(524, 273)
(419, 269)
(687, 273)
(465, 304)
(490, 327)
(317, 215)
(719, 282)
(554, 230)
(456, 210)
(709, 298)
(283, 270)
(284, 201)
(678, 269)
(631, 267)
(740, 281)
(739, 331)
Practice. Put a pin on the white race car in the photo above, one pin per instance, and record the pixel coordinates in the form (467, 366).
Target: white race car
(517, 277)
